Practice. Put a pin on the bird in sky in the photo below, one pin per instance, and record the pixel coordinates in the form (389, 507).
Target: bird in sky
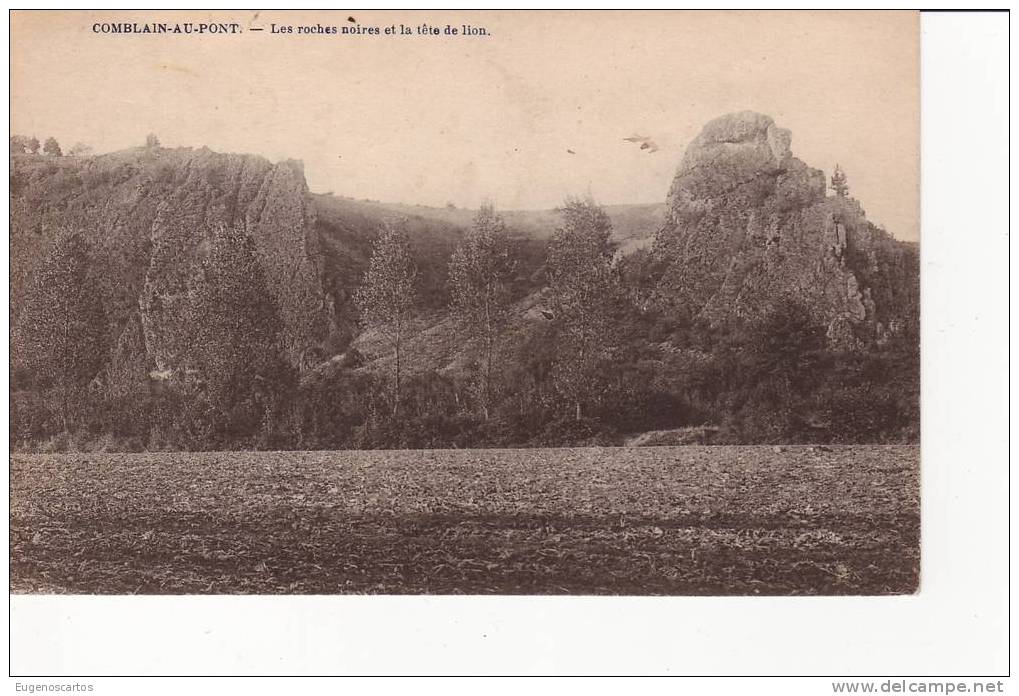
(646, 143)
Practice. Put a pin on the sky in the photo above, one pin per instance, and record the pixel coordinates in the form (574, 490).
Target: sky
(532, 113)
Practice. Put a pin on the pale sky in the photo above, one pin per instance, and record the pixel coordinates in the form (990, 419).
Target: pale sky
(431, 120)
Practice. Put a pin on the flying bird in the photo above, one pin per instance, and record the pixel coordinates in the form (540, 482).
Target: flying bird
(646, 143)
(570, 151)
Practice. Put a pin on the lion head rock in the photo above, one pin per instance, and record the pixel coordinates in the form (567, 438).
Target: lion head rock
(749, 226)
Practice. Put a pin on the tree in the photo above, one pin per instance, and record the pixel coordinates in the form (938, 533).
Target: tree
(80, 150)
(778, 364)
(151, 140)
(838, 182)
(61, 329)
(480, 272)
(126, 392)
(783, 343)
(583, 285)
(236, 333)
(387, 294)
(52, 147)
(21, 144)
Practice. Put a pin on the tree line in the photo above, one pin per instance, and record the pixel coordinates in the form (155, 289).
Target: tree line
(29, 145)
(22, 145)
(596, 360)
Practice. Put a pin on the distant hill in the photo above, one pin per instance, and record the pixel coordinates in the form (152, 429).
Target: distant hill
(629, 222)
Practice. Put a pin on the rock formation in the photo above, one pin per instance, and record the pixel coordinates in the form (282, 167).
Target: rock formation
(149, 214)
(748, 226)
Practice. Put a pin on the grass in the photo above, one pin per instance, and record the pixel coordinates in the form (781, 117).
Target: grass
(659, 520)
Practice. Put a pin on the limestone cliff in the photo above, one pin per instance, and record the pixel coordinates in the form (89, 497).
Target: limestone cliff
(748, 225)
(149, 213)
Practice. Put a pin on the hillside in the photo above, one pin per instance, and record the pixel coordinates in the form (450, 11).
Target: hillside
(746, 227)
(150, 211)
(712, 315)
(628, 221)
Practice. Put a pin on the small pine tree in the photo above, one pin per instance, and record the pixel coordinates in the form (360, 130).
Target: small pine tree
(52, 147)
(151, 141)
(33, 145)
(386, 296)
(838, 182)
(480, 271)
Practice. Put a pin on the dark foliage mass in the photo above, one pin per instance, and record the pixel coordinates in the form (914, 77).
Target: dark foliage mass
(177, 299)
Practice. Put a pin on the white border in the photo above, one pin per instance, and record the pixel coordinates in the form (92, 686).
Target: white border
(956, 625)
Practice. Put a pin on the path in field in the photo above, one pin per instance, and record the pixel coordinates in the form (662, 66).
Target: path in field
(660, 520)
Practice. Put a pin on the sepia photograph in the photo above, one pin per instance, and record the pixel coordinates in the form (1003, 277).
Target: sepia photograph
(483, 343)
(464, 303)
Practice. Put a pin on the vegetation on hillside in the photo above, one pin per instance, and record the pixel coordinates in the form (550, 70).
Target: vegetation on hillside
(480, 274)
(179, 299)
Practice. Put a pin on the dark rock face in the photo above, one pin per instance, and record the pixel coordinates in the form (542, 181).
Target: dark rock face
(149, 215)
(749, 226)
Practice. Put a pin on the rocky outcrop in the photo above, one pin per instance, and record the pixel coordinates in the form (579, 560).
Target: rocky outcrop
(149, 214)
(749, 226)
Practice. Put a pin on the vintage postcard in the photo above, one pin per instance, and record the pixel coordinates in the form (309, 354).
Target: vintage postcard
(401, 302)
